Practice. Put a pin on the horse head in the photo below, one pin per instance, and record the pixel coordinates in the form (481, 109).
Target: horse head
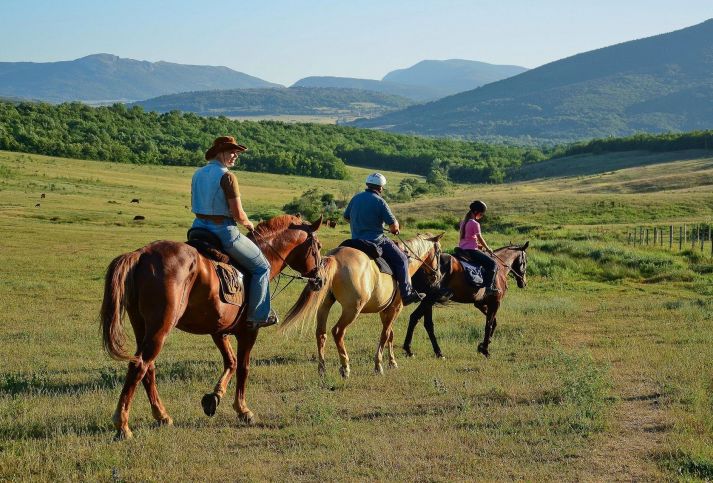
(519, 266)
(291, 241)
(429, 252)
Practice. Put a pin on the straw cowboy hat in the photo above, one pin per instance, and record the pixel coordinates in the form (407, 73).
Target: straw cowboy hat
(224, 143)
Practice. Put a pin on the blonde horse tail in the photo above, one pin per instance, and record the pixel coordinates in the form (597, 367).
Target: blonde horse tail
(310, 299)
(118, 283)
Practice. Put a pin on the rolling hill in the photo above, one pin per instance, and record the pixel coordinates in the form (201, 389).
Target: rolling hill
(105, 77)
(657, 84)
(415, 93)
(318, 101)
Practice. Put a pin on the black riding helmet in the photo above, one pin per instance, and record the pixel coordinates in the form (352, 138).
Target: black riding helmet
(478, 207)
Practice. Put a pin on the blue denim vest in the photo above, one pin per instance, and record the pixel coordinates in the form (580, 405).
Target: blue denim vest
(207, 197)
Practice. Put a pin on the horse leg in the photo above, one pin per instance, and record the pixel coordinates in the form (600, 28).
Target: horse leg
(428, 325)
(412, 323)
(489, 328)
(145, 356)
(321, 331)
(246, 341)
(347, 317)
(387, 319)
(392, 354)
(230, 365)
(157, 410)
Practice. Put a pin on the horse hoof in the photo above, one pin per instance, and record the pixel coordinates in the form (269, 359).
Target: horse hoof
(123, 434)
(167, 421)
(482, 349)
(344, 372)
(247, 418)
(210, 404)
(379, 371)
(393, 365)
(408, 352)
(440, 356)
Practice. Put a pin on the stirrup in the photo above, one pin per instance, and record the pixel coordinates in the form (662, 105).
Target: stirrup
(272, 319)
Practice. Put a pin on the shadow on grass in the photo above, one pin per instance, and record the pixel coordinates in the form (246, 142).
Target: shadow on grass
(49, 383)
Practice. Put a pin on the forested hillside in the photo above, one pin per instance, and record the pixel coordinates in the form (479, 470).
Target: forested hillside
(316, 101)
(658, 84)
(118, 133)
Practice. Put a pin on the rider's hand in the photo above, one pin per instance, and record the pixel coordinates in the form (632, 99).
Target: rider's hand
(249, 225)
(394, 230)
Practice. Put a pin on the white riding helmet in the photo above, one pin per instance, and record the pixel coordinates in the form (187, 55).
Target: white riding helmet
(377, 179)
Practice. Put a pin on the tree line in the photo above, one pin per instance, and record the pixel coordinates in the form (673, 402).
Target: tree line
(130, 134)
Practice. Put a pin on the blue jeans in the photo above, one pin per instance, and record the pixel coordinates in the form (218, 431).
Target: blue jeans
(398, 262)
(249, 256)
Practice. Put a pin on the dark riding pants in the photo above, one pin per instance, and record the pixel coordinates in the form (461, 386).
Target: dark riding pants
(490, 267)
(398, 262)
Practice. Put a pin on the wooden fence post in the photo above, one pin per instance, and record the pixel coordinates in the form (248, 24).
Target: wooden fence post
(680, 238)
(693, 239)
(628, 241)
(641, 236)
(647, 237)
(670, 237)
(656, 236)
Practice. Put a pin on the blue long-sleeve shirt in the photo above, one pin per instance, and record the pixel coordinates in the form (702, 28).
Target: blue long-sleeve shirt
(367, 212)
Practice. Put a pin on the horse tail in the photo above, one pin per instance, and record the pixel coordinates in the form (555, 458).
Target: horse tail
(310, 299)
(118, 283)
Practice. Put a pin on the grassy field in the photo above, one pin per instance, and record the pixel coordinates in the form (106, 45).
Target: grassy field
(600, 369)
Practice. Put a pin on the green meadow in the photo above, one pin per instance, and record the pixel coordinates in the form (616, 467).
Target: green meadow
(600, 369)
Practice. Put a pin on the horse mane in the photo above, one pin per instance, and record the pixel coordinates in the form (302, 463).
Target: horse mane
(509, 247)
(420, 243)
(276, 225)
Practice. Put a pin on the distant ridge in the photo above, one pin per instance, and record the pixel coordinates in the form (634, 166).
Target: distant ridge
(425, 81)
(415, 93)
(451, 76)
(657, 84)
(106, 77)
(311, 101)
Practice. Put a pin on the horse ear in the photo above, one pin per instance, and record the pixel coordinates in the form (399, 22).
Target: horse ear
(527, 244)
(437, 237)
(318, 223)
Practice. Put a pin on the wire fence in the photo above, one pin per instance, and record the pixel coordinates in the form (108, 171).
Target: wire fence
(695, 236)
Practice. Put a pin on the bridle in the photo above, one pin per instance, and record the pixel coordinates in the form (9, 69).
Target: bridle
(512, 270)
(312, 277)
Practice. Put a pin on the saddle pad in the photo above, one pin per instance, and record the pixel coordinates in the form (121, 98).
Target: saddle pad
(371, 250)
(473, 274)
(232, 289)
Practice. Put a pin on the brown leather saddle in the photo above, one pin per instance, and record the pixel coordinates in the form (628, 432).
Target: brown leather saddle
(230, 274)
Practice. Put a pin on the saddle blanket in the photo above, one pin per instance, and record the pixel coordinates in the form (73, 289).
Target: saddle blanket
(372, 250)
(473, 273)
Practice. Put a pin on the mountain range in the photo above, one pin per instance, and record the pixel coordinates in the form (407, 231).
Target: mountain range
(424, 81)
(657, 84)
(105, 77)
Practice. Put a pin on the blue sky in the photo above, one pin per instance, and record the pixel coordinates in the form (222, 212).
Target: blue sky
(282, 41)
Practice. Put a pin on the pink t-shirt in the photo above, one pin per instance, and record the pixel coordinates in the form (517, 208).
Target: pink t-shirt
(469, 241)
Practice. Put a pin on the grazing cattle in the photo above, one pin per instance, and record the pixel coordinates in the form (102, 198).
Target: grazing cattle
(42, 195)
(37, 205)
(135, 200)
(139, 217)
(332, 223)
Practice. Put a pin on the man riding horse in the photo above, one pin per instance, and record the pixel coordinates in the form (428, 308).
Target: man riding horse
(367, 212)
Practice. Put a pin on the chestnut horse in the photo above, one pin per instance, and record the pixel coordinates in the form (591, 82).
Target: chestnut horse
(510, 259)
(170, 284)
(353, 280)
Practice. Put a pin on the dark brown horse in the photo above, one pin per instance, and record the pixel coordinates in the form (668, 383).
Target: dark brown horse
(170, 284)
(510, 259)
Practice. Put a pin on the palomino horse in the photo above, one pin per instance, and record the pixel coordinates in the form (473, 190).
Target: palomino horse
(169, 284)
(510, 259)
(353, 280)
